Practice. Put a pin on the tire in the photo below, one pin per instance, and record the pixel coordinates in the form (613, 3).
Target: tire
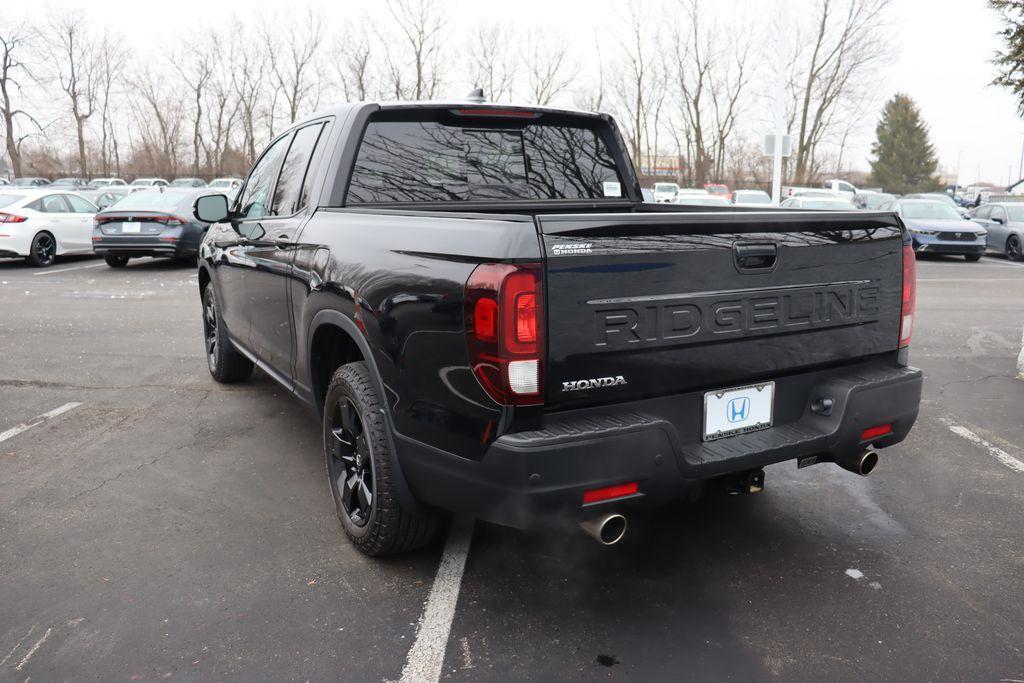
(116, 261)
(358, 460)
(972, 258)
(43, 251)
(1013, 248)
(225, 362)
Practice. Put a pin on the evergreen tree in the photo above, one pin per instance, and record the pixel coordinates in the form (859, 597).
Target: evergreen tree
(904, 159)
(1010, 60)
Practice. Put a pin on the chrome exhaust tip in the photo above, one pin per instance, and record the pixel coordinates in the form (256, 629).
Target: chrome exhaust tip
(862, 464)
(608, 529)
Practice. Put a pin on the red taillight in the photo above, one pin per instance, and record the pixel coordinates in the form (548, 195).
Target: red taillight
(504, 331)
(875, 432)
(11, 218)
(909, 295)
(610, 492)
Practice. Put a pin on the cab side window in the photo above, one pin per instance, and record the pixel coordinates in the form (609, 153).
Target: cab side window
(255, 200)
(999, 214)
(289, 196)
(983, 213)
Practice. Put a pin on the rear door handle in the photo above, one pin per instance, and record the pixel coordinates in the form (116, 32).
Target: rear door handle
(754, 258)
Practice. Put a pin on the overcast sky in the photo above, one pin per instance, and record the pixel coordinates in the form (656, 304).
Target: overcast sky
(942, 52)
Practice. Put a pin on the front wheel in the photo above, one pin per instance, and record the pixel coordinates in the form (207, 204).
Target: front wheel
(1013, 248)
(226, 364)
(116, 261)
(43, 251)
(972, 258)
(359, 467)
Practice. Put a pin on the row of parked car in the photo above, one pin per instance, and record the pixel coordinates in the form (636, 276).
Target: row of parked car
(938, 223)
(105, 191)
(41, 224)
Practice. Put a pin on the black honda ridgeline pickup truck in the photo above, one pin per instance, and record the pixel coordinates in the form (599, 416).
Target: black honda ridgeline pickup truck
(488, 319)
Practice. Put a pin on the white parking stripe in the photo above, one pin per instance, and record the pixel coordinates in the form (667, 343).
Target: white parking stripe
(998, 453)
(64, 270)
(14, 431)
(426, 657)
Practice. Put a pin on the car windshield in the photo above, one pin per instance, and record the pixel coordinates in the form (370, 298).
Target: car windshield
(937, 197)
(142, 181)
(450, 159)
(825, 205)
(1016, 213)
(666, 187)
(66, 181)
(753, 198)
(8, 199)
(873, 201)
(152, 201)
(928, 210)
(220, 183)
(708, 200)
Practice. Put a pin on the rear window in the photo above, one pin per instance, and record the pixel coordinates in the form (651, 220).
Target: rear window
(458, 159)
(8, 199)
(153, 200)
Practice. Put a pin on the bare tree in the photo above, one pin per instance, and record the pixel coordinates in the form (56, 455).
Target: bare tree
(293, 46)
(15, 72)
(221, 109)
(112, 57)
(159, 116)
(550, 69)
(196, 64)
(847, 42)
(491, 62)
(249, 75)
(353, 58)
(76, 57)
(419, 24)
(635, 78)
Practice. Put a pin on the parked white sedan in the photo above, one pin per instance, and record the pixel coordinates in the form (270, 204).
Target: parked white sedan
(40, 225)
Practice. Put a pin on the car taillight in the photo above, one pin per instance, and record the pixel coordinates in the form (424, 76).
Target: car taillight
(504, 331)
(909, 295)
(11, 218)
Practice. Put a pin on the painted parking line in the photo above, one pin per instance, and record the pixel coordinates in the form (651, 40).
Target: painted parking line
(995, 451)
(36, 421)
(64, 270)
(426, 657)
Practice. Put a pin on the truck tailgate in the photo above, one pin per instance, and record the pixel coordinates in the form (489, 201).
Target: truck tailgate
(652, 304)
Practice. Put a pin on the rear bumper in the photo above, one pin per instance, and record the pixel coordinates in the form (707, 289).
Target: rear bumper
(527, 478)
(142, 246)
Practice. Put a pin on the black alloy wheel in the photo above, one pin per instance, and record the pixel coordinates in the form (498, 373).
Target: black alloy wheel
(351, 465)
(43, 251)
(210, 331)
(1013, 248)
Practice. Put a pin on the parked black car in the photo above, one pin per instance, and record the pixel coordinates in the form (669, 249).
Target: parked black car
(488, 319)
(155, 222)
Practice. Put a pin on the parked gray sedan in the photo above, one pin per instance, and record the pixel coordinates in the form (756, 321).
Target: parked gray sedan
(1005, 224)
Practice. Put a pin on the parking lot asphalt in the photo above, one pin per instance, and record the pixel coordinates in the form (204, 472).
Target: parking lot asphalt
(157, 526)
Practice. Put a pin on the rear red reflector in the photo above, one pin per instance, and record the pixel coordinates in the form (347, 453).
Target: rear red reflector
(875, 432)
(609, 492)
(485, 320)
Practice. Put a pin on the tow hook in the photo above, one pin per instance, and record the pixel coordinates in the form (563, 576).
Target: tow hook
(746, 482)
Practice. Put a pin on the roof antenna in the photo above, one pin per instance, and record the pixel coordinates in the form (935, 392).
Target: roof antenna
(476, 95)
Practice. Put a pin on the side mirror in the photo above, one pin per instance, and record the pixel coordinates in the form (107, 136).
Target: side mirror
(211, 208)
(1000, 221)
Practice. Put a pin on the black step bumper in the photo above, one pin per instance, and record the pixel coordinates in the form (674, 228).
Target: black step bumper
(527, 477)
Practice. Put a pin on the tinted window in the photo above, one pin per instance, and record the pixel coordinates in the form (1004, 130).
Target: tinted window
(79, 205)
(429, 161)
(288, 197)
(256, 197)
(928, 210)
(52, 203)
